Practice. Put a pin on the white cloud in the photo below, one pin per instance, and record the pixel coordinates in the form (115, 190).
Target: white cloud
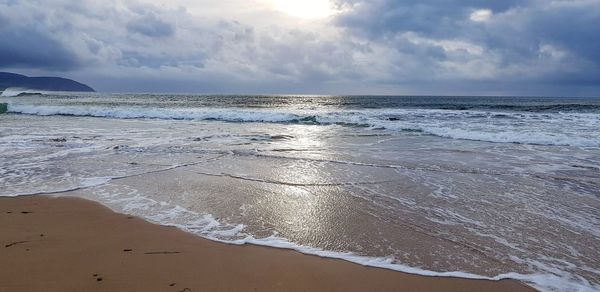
(244, 45)
(481, 15)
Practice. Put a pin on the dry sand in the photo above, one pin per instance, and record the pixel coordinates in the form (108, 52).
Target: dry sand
(67, 244)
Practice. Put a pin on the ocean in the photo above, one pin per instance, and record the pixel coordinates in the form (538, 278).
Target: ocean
(473, 187)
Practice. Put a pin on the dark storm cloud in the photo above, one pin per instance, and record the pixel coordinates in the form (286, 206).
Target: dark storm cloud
(574, 27)
(372, 46)
(31, 46)
(432, 17)
(556, 39)
(151, 26)
(32, 49)
(59, 35)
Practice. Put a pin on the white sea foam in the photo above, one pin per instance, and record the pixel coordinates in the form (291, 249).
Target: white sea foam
(155, 113)
(205, 225)
(513, 136)
(129, 200)
(561, 129)
(83, 183)
(132, 202)
(15, 91)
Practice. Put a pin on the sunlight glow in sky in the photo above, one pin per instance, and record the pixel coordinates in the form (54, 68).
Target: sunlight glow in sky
(304, 8)
(424, 47)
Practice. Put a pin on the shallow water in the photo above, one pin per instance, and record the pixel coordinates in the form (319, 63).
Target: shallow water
(398, 197)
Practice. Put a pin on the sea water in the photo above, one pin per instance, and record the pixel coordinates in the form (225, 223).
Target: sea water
(474, 187)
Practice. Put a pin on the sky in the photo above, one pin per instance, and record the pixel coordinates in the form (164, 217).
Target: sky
(403, 47)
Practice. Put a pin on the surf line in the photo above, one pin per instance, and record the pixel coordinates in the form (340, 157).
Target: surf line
(292, 184)
(109, 179)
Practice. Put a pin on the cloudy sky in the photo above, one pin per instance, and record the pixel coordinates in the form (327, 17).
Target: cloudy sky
(442, 47)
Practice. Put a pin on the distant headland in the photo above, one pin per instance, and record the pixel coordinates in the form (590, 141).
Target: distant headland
(10, 80)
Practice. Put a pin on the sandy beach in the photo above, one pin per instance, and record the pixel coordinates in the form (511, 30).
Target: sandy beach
(283, 145)
(68, 244)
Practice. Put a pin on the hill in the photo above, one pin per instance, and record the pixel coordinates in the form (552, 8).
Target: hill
(8, 80)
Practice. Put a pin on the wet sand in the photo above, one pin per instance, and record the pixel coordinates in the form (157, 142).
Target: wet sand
(69, 244)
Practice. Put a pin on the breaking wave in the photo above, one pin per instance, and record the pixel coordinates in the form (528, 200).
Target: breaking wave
(16, 91)
(560, 129)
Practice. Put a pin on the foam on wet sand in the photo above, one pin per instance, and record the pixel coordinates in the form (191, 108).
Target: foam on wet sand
(69, 244)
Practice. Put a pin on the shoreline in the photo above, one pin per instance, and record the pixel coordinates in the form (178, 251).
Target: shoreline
(72, 244)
